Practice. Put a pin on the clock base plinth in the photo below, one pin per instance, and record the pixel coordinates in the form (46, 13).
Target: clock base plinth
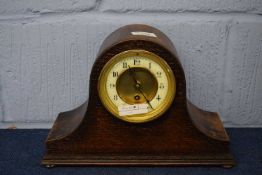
(138, 160)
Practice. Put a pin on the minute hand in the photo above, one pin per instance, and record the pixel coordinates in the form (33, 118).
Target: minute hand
(138, 86)
(148, 102)
(132, 75)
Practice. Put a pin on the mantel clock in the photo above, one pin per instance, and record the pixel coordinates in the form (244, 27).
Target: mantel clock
(137, 112)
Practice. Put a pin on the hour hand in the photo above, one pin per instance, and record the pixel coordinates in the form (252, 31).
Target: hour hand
(138, 86)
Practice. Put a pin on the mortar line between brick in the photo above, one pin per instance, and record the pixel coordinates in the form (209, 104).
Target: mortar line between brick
(226, 62)
(98, 5)
(36, 16)
(1, 91)
(48, 125)
(1, 100)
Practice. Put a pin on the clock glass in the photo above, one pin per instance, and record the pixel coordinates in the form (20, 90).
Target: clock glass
(136, 86)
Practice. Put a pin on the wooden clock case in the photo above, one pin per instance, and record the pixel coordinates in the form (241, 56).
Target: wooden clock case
(184, 135)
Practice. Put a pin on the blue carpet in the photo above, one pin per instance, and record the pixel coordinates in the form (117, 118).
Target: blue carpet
(21, 152)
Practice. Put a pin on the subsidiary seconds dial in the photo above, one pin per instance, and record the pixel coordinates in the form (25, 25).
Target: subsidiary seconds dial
(136, 86)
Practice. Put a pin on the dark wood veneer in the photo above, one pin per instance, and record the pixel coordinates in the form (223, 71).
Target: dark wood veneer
(184, 135)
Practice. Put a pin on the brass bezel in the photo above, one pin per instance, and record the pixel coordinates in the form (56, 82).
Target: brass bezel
(137, 118)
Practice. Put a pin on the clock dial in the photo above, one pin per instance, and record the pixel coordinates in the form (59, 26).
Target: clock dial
(136, 86)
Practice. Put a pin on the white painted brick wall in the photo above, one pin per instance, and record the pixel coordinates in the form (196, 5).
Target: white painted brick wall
(47, 49)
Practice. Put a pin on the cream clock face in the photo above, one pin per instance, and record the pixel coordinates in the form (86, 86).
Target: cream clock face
(136, 86)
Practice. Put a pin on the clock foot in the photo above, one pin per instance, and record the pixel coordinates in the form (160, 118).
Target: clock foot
(49, 166)
(227, 166)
